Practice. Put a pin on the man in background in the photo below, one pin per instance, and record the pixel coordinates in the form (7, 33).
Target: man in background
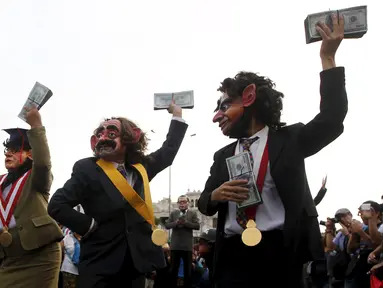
(182, 222)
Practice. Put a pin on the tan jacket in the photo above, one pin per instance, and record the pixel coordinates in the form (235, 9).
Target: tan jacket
(35, 227)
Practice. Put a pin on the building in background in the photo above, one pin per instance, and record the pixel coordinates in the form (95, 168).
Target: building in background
(161, 211)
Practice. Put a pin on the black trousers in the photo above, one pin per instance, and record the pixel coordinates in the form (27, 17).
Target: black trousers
(269, 264)
(127, 277)
(175, 259)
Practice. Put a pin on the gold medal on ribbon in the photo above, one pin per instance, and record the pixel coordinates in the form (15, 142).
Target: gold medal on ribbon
(5, 238)
(251, 236)
(160, 237)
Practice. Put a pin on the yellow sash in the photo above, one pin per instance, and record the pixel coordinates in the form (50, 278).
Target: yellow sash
(144, 208)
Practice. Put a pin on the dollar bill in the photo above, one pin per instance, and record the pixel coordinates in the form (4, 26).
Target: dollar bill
(239, 167)
(184, 99)
(355, 23)
(239, 164)
(38, 96)
(254, 195)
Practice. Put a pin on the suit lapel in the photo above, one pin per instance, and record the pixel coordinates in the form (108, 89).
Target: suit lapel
(229, 151)
(138, 187)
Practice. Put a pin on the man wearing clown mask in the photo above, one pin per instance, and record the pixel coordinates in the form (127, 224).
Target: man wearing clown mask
(287, 232)
(113, 189)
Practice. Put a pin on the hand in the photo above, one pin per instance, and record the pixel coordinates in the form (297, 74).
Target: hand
(366, 214)
(180, 221)
(376, 267)
(175, 110)
(330, 226)
(33, 117)
(324, 181)
(374, 214)
(344, 229)
(231, 191)
(331, 39)
(356, 226)
(372, 258)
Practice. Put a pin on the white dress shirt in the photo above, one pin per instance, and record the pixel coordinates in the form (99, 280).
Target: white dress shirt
(271, 213)
(67, 265)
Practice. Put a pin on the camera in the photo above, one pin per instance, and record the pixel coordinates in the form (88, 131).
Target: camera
(333, 220)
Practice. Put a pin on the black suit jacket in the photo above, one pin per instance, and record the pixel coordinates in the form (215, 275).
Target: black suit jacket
(288, 148)
(120, 227)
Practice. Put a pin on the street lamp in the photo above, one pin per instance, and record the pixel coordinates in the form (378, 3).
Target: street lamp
(170, 178)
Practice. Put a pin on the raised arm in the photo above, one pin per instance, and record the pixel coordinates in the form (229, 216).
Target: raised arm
(41, 175)
(322, 192)
(41, 168)
(164, 157)
(61, 205)
(328, 124)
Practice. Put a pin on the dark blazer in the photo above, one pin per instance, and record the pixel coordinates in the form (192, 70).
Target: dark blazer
(120, 227)
(288, 148)
(182, 235)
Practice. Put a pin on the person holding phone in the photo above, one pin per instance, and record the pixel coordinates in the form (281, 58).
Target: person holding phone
(364, 238)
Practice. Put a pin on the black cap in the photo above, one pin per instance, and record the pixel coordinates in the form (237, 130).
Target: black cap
(17, 138)
(209, 235)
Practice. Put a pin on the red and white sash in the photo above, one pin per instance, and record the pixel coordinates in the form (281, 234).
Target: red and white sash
(8, 204)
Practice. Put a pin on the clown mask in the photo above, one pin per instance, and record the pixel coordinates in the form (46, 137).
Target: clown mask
(106, 141)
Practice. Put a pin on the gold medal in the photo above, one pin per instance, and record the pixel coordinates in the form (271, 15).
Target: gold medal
(5, 238)
(251, 236)
(160, 237)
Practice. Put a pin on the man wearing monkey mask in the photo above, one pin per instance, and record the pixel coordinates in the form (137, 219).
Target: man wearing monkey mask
(113, 189)
(249, 110)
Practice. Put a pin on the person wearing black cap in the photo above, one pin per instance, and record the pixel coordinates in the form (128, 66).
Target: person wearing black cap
(206, 250)
(30, 253)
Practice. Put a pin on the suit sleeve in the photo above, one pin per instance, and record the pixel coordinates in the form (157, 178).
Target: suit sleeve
(163, 157)
(205, 205)
(194, 224)
(171, 223)
(41, 168)
(70, 195)
(328, 124)
(320, 196)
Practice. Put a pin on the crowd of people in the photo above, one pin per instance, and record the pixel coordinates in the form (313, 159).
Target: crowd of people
(103, 215)
(353, 252)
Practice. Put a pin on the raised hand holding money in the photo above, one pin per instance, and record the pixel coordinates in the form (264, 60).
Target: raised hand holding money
(355, 23)
(175, 110)
(32, 116)
(330, 40)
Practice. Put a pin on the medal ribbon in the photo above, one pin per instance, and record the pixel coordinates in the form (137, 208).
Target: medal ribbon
(251, 211)
(8, 205)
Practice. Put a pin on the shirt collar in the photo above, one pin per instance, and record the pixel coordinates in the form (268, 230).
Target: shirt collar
(261, 133)
(116, 165)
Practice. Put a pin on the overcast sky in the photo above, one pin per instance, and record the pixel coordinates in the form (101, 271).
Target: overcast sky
(107, 58)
